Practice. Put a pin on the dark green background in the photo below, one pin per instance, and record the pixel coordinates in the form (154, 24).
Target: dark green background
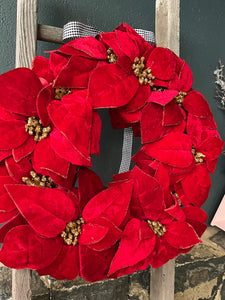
(202, 44)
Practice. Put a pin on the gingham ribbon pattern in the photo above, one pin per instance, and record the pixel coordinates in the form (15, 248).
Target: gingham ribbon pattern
(74, 30)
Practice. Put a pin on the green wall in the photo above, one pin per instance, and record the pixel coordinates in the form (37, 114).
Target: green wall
(202, 44)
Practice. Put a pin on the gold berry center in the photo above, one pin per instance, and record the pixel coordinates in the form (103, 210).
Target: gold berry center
(35, 128)
(144, 75)
(111, 56)
(72, 231)
(158, 228)
(60, 92)
(38, 180)
(180, 98)
(199, 157)
(177, 197)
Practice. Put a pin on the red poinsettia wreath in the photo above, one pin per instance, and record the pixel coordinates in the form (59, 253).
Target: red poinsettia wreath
(50, 127)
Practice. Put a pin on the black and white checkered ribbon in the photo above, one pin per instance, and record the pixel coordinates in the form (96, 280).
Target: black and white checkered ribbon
(74, 30)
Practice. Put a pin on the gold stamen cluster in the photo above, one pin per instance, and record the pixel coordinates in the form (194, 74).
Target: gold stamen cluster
(34, 127)
(157, 227)
(144, 75)
(158, 89)
(111, 56)
(180, 98)
(199, 157)
(177, 197)
(72, 231)
(38, 180)
(60, 92)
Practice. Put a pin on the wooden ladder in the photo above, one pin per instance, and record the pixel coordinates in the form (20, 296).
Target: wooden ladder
(167, 31)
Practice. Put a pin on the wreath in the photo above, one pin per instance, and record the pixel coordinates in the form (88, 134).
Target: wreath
(50, 127)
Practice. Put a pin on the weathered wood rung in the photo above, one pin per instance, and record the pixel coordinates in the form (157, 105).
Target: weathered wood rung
(50, 34)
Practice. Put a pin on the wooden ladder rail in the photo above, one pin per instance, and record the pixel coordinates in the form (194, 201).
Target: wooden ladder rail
(167, 24)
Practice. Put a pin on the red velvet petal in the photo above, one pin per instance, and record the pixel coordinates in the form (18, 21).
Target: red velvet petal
(63, 147)
(88, 45)
(18, 170)
(4, 154)
(24, 150)
(162, 62)
(111, 237)
(140, 98)
(197, 105)
(181, 235)
(108, 83)
(6, 216)
(197, 193)
(98, 260)
(95, 133)
(6, 203)
(89, 184)
(211, 147)
(40, 66)
(173, 149)
(147, 201)
(92, 234)
(111, 204)
(45, 158)
(16, 221)
(46, 210)
(12, 134)
(76, 73)
(196, 217)
(172, 114)
(21, 87)
(23, 248)
(163, 97)
(120, 118)
(44, 98)
(60, 268)
(73, 112)
(184, 80)
(151, 127)
(57, 62)
(132, 248)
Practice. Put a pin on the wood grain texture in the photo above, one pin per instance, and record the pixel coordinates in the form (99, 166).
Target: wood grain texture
(21, 284)
(26, 33)
(167, 24)
(162, 282)
(26, 41)
(50, 34)
(167, 32)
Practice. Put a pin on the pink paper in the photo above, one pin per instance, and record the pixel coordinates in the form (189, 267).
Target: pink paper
(219, 217)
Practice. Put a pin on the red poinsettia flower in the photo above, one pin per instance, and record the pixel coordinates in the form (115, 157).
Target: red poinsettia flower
(46, 129)
(56, 232)
(153, 237)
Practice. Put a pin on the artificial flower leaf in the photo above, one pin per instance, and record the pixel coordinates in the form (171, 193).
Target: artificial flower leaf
(24, 150)
(46, 210)
(21, 87)
(108, 83)
(18, 170)
(12, 134)
(73, 111)
(89, 185)
(132, 248)
(60, 268)
(17, 220)
(197, 105)
(64, 149)
(23, 248)
(181, 235)
(112, 204)
(174, 149)
(45, 158)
